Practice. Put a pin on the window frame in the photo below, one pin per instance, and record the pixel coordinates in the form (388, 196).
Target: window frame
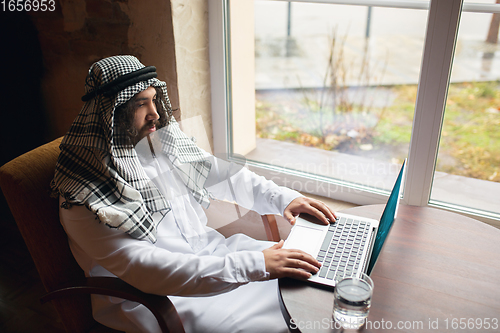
(441, 34)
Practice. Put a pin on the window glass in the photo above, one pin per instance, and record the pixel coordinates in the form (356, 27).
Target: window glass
(335, 88)
(468, 166)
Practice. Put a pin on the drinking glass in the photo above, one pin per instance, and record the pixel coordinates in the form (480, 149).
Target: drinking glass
(352, 299)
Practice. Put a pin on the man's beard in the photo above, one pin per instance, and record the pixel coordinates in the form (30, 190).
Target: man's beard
(145, 130)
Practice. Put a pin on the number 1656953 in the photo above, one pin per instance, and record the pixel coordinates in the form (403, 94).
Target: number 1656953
(28, 5)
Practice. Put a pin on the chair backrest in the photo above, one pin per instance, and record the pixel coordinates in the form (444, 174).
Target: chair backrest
(25, 182)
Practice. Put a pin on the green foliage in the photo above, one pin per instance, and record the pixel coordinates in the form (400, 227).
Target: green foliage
(470, 131)
(470, 138)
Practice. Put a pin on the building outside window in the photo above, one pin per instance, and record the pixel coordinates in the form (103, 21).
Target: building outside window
(329, 97)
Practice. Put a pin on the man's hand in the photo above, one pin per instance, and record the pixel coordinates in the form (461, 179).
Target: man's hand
(289, 263)
(310, 206)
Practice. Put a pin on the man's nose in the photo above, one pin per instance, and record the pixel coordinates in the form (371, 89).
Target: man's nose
(152, 112)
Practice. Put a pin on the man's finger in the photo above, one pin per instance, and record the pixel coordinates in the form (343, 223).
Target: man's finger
(278, 245)
(313, 211)
(324, 210)
(303, 257)
(304, 265)
(297, 273)
(288, 216)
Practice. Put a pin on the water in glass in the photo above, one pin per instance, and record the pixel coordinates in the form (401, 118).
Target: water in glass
(352, 301)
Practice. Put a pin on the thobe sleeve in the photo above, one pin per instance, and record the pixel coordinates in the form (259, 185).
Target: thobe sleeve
(153, 269)
(233, 182)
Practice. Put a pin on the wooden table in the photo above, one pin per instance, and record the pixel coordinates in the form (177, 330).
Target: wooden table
(438, 272)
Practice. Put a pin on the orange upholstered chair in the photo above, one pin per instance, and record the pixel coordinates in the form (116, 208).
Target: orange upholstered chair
(25, 184)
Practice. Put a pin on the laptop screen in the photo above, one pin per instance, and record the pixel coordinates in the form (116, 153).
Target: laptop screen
(386, 220)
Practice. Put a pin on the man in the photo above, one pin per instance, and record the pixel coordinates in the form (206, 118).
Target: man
(132, 187)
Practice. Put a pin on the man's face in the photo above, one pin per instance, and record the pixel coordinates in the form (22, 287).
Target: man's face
(145, 113)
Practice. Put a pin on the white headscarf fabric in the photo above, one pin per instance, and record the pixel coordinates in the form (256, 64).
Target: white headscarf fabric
(98, 167)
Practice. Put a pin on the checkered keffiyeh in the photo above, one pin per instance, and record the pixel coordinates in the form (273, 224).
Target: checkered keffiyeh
(99, 168)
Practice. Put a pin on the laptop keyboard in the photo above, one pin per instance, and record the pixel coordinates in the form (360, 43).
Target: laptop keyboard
(342, 247)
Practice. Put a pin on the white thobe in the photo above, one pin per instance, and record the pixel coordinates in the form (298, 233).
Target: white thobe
(216, 284)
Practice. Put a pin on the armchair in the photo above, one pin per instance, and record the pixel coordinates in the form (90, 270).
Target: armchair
(25, 185)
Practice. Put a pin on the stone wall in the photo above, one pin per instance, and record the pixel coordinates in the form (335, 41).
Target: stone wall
(190, 20)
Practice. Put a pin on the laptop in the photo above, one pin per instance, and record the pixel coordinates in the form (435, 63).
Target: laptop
(352, 243)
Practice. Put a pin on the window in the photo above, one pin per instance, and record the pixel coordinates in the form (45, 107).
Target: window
(468, 165)
(341, 128)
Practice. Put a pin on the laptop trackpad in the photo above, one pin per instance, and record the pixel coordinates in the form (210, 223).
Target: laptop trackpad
(305, 239)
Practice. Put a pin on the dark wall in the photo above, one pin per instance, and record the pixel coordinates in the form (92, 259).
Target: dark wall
(45, 57)
(23, 118)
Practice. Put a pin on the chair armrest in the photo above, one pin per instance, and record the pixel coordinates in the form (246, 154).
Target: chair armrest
(161, 307)
(271, 227)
